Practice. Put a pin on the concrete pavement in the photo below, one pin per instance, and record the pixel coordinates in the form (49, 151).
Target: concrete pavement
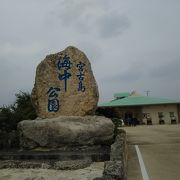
(160, 149)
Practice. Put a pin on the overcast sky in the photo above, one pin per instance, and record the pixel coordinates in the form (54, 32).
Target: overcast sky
(131, 44)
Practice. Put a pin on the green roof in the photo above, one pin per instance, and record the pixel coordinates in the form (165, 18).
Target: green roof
(123, 94)
(137, 101)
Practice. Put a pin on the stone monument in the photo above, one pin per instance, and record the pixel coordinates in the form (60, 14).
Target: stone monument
(65, 85)
(65, 96)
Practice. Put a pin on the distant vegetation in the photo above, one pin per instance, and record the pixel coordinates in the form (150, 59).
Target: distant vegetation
(20, 110)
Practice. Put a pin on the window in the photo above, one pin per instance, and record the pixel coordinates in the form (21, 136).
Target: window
(171, 114)
(146, 115)
(161, 118)
(160, 115)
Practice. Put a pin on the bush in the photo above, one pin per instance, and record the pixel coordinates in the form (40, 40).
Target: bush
(11, 115)
(9, 139)
(117, 123)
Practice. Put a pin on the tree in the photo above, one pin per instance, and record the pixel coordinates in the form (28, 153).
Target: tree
(22, 109)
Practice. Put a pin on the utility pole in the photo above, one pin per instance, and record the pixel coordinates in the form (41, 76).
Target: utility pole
(147, 92)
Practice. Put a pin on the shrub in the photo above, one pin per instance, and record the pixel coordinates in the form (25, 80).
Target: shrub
(11, 115)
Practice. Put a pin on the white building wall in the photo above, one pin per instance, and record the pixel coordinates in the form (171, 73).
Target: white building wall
(154, 109)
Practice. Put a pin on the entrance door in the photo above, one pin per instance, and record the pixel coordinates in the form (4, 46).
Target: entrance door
(128, 115)
(128, 118)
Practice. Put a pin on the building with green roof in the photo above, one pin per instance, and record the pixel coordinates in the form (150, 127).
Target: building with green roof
(145, 109)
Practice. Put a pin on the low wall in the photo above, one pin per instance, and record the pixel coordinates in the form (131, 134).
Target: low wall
(116, 168)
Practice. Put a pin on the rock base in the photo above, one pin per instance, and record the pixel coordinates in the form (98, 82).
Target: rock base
(58, 165)
(66, 132)
(95, 153)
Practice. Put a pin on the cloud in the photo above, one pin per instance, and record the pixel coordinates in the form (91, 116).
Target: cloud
(168, 70)
(124, 77)
(112, 25)
(131, 44)
(133, 72)
(92, 17)
(93, 51)
(14, 49)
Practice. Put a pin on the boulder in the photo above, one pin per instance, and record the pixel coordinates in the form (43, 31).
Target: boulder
(66, 131)
(65, 85)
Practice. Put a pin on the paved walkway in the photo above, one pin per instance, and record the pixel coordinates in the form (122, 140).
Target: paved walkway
(157, 149)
